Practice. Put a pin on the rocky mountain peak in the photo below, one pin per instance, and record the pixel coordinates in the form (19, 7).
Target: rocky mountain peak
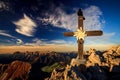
(16, 70)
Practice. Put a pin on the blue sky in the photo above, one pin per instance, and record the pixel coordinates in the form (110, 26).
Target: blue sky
(43, 22)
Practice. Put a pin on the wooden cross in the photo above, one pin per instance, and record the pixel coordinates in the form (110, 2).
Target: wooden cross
(80, 34)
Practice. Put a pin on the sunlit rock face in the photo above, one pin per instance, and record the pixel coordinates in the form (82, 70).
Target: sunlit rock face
(67, 73)
(17, 70)
(118, 50)
(93, 58)
(112, 58)
(3, 67)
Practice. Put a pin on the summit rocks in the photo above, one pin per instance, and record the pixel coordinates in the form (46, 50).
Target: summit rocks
(93, 58)
(67, 73)
(99, 66)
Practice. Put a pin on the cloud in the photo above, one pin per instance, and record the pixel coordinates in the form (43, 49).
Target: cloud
(4, 33)
(104, 39)
(11, 41)
(19, 42)
(61, 42)
(35, 42)
(93, 19)
(25, 26)
(70, 21)
(58, 41)
(4, 5)
(60, 19)
(42, 42)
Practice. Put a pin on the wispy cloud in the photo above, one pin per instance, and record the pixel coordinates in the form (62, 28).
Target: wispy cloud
(4, 33)
(14, 39)
(35, 42)
(42, 42)
(93, 19)
(58, 41)
(60, 19)
(104, 39)
(19, 42)
(70, 21)
(25, 26)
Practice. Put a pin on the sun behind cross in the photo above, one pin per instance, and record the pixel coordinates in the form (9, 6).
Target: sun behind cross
(80, 34)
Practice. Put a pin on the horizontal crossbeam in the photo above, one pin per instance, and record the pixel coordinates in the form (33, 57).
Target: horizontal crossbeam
(94, 33)
(89, 33)
(69, 34)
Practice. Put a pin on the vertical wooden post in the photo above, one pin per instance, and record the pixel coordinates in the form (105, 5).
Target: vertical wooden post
(80, 41)
(80, 49)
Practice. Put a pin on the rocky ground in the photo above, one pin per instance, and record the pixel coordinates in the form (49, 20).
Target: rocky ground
(99, 65)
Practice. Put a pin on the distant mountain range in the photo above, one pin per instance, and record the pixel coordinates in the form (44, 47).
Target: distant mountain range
(100, 65)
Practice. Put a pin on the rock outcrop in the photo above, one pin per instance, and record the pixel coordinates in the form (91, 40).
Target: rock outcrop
(99, 66)
(17, 70)
(67, 73)
(93, 58)
(112, 57)
(3, 67)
